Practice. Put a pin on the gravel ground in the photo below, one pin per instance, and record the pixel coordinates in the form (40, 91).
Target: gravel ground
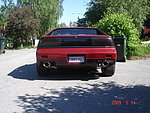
(22, 91)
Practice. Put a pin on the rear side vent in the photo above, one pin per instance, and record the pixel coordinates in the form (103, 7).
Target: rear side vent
(108, 55)
(44, 56)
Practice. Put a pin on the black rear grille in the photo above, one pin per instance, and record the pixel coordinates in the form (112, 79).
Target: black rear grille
(53, 42)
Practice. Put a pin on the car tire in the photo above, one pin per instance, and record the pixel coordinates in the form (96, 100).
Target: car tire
(108, 71)
(42, 72)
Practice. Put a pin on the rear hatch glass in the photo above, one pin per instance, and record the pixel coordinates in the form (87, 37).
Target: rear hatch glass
(74, 31)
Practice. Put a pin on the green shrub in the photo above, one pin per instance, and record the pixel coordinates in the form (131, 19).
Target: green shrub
(121, 25)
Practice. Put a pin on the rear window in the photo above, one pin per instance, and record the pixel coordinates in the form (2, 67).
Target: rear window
(50, 42)
(77, 31)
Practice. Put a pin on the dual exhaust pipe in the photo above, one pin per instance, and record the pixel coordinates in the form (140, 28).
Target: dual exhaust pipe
(49, 65)
(100, 64)
(103, 64)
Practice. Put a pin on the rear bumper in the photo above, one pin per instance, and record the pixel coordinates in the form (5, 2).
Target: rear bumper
(58, 57)
(90, 63)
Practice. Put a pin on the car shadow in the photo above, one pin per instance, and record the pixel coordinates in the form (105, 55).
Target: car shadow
(95, 98)
(29, 72)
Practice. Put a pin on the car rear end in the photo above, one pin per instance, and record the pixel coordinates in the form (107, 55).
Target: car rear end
(76, 51)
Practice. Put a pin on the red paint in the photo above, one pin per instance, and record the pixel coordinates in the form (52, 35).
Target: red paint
(92, 55)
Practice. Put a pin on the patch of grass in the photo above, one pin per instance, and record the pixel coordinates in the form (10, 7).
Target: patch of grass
(143, 51)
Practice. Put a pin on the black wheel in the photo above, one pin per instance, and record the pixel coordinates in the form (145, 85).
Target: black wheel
(42, 72)
(108, 71)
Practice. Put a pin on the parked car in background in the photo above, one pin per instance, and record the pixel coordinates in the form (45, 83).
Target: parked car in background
(76, 47)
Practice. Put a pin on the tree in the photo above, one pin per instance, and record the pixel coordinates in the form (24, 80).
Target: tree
(3, 15)
(82, 22)
(24, 18)
(47, 11)
(21, 26)
(2, 19)
(137, 9)
(96, 11)
(2, 24)
(62, 25)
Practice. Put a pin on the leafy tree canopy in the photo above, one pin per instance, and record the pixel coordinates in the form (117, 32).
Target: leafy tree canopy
(21, 26)
(24, 18)
(48, 11)
(137, 9)
(82, 22)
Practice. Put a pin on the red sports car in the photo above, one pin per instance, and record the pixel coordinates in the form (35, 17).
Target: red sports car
(76, 47)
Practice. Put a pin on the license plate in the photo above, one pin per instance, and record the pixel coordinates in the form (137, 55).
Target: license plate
(76, 59)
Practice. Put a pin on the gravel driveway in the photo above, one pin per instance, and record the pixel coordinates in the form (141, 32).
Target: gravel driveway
(22, 91)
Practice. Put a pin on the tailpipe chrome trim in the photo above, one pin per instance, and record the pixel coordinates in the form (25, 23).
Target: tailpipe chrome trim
(99, 65)
(105, 63)
(47, 64)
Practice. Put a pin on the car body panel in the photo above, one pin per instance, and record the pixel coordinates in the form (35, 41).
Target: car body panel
(59, 55)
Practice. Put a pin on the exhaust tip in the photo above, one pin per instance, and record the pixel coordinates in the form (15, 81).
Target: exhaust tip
(105, 63)
(99, 64)
(47, 64)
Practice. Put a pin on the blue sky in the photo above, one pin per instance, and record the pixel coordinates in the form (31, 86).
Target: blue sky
(73, 9)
